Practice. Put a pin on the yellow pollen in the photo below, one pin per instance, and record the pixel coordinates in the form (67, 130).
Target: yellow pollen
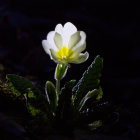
(65, 54)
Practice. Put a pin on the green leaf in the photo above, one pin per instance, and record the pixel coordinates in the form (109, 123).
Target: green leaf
(36, 102)
(89, 95)
(19, 85)
(100, 94)
(94, 125)
(33, 110)
(89, 81)
(51, 95)
(64, 110)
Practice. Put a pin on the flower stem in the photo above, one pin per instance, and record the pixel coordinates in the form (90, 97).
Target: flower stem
(58, 87)
(60, 73)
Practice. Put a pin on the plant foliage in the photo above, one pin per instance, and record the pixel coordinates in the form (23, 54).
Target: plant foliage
(65, 109)
(89, 81)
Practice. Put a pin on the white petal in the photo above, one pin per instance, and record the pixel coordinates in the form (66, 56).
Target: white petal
(58, 40)
(59, 28)
(46, 46)
(50, 39)
(74, 39)
(81, 58)
(79, 49)
(68, 30)
(81, 45)
(54, 55)
(82, 41)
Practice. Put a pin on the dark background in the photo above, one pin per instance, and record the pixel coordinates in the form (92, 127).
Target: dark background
(112, 29)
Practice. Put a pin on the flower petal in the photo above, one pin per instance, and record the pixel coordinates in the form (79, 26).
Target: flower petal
(81, 45)
(59, 28)
(74, 39)
(50, 39)
(67, 37)
(82, 41)
(82, 58)
(53, 55)
(68, 30)
(58, 40)
(46, 46)
(78, 50)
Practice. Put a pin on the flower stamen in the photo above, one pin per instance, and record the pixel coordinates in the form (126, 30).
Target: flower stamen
(65, 54)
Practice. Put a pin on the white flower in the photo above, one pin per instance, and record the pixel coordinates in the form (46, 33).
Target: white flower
(65, 44)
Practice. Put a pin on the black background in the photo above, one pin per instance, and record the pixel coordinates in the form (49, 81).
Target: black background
(112, 30)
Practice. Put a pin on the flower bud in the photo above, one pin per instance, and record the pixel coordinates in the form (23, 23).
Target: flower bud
(60, 71)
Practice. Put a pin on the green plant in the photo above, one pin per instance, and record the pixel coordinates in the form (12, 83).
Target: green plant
(65, 109)
(67, 106)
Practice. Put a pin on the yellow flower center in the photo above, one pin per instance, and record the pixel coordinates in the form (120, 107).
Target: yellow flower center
(65, 54)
